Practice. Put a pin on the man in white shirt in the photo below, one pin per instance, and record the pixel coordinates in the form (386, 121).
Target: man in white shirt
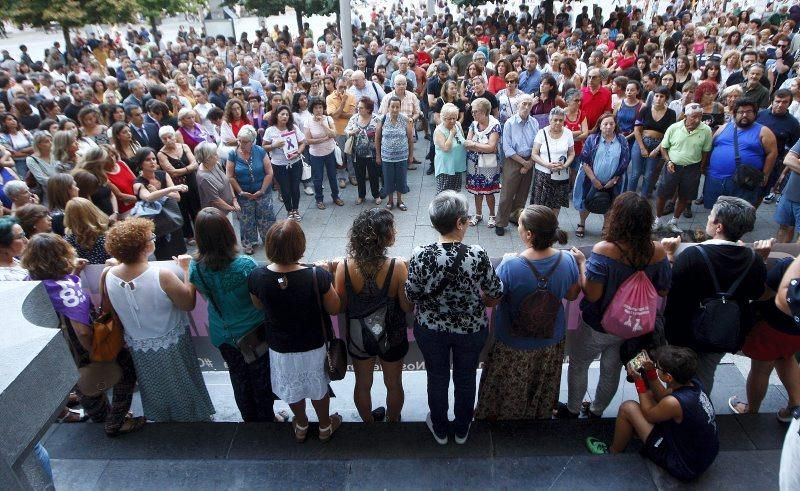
(362, 88)
(250, 65)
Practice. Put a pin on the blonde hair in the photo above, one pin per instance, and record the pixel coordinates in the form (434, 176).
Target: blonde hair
(85, 221)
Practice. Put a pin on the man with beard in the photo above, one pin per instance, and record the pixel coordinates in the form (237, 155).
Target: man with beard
(755, 147)
(752, 88)
(786, 129)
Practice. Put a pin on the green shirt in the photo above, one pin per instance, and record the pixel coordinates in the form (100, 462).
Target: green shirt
(228, 289)
(686, 147)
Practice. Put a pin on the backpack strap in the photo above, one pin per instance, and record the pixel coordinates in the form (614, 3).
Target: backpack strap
(741, 277)
(543, 280)
(714, 279)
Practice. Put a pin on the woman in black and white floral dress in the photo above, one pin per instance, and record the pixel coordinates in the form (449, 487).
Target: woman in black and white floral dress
(451, 284)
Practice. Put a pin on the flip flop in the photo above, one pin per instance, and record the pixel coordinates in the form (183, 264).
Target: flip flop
(402, 206)
(596, 446)
(580, 231)
(734, 402)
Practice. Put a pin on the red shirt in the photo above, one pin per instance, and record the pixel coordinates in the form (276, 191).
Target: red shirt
(594, 105)
(496, 84)
(123, 180)
(423, 58)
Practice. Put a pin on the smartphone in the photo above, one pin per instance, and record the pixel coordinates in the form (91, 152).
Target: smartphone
(637, 363)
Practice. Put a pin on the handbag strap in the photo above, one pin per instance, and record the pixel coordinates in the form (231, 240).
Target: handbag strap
(451, 271)
(105, 302)
(547, 144)
(205, 285)
(543, 279)
(319, 304)
(736, 157)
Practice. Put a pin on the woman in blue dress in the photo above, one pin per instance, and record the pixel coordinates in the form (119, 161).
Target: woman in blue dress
(603, 162)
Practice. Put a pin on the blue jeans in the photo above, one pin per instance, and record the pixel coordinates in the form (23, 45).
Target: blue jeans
(714, 188)
(288, 176)
(641, 167)
(319, 166)
(466, 349)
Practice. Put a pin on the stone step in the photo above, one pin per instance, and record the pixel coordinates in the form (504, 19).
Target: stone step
(527, 454)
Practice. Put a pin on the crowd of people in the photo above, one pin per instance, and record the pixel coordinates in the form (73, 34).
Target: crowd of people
(132, 148)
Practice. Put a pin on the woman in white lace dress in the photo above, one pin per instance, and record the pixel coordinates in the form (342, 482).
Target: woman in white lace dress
(152, 303)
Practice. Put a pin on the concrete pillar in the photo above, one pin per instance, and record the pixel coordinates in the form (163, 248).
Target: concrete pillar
(346, 30)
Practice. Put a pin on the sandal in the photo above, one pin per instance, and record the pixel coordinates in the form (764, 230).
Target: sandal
(129, 425)
(325, 434)
(73, 400)
(320, 205)
(389, 205)
(580, 231)
(402, 206)
(787, 414)
(300, 432)
(491, 223)
(596, 446)
(72, 416)
(737, 406)
(339, 202)
(475, 219)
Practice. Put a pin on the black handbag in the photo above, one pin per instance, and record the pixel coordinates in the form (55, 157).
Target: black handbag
(598, 201)
(745, 176)
(335, 348)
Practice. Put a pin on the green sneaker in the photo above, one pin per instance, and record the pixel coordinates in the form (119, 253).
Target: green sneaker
(596, 446)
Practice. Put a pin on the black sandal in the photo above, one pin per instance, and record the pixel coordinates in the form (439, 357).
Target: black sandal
(580, 231)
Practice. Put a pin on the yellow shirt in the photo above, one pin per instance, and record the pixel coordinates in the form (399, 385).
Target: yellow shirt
(334, 102)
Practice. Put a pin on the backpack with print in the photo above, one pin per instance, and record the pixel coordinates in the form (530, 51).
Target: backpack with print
(632, 311)
(537, 313)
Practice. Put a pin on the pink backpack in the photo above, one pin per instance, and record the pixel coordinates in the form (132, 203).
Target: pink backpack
(632, 311)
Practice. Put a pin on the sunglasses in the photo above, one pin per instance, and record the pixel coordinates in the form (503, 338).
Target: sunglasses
(512, 81)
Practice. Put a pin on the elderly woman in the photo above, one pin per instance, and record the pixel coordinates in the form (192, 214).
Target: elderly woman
(320, 135)
(220, 274)
(450, 159)
(728, 98)
(191, 132)
(409, 103)
(40, 162)
(394, 151)
(297, 300)
(18, 193)
(155, 185)
(507, 393)
(368, 282)
(285, 143)
(50, 259)
(213, 184)
(65, 150)
(451, 284)
(553, 152)
(6, 175)
(604, 161)
(483, 166)
(363, 126)
(177, 160)
(151, 303)
(250, 173)
(17, 140)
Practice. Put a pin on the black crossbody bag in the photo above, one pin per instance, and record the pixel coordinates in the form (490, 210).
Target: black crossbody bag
(746, 176)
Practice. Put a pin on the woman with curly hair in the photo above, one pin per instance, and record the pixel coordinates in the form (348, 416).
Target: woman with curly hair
(51, 260)
(370, 288)
(86, 228)
(151, 303)
(626, 249)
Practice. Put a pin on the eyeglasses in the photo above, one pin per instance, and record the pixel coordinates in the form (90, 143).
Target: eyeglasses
(20, 235)
(742, 112)
(512, 81)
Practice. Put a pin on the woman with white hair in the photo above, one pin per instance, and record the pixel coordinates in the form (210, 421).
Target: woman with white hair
(483, 167)
(192, 133)
(450, 158)
(250, 172)
(553, 152)
(19, 194)
(177, 160)
(213, 184)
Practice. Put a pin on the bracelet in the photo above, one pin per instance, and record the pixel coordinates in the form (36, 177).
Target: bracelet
(652, 374)
(641, 386)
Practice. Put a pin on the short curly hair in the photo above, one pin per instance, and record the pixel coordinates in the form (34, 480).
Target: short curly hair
(128, 239)
(371, 235)
(48, 257)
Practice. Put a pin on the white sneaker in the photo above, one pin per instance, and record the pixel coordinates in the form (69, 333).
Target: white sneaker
(439, 439)
(673, 227)
(309, 191)
(463, 439)
(657, 225)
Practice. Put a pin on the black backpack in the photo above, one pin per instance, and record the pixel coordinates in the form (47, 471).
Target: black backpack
(717, 324)
(536, 316)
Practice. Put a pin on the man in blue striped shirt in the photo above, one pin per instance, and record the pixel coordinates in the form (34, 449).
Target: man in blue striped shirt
(531, 77)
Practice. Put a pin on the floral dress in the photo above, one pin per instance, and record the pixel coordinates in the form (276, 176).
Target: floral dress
(483, 180)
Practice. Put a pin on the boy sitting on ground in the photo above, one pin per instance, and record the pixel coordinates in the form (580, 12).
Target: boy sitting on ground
(676, 423)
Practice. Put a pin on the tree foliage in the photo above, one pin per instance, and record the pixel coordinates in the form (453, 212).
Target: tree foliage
(73, 13)
(266, 8)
